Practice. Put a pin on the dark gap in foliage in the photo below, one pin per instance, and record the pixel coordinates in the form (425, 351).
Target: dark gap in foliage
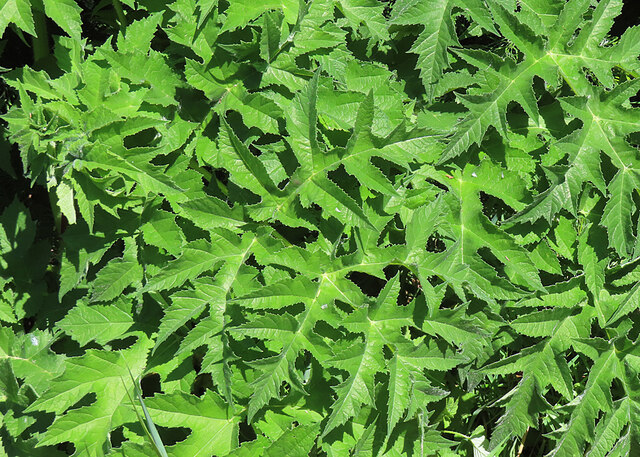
(193, 104)
(635, 100)
(85, 400)
(217, 186)
(488, 256)
(336, 137)
(517, 118)
(591, 77)
(16, 54)
(295, 235)
(285, 389)
(123, 343)
(116, 436)
(629, 17)
(388, 6)
(241, 195)
(495, 209)
(160, 41)
(146, 137)
(190, 230)
(196, 359)
(403, 63)
(282, 184)
(487, 41)
(388, 168)
(69, 347)
(28, 323)
(409, 283)
(547, 278)
(205, 171)
(172, 435)
(450, 299)
(221, 175)
(535, 443)
(255, 151)
(370, 285)
(150, 385)
(167, 159)
(36, 199)
(392, 233)
(617, 390)
(294, 309)
(98, 25)
(634, 332)
(67, 447)
(242, 131)
(325, 330)
(201, 384)
(635, 215)
(346, 182)
(634, 139)
(251, 261)
(115, 250)
(287, 158)
(247, 433)
(437, 184)
(609, 170)
(435, 244)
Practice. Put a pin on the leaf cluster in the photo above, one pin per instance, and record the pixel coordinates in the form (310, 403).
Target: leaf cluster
(321, 227)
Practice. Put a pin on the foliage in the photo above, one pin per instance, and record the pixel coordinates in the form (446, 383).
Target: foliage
(320, 227)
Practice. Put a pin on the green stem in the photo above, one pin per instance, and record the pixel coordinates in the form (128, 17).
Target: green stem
(460, 435)
(120, 13)
(40, 43)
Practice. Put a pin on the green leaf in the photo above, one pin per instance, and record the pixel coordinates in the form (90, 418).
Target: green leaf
(99, 323)
(432, 44)
(214, 427)
(297, 441)
(19, 13)
(98, 372)
(65, 13)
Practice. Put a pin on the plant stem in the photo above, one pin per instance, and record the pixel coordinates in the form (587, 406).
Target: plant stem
(120, 13)
(457, 434)
(40, 43)
(521, 448)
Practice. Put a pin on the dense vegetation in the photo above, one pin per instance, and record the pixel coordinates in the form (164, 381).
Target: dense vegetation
(319, 227)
